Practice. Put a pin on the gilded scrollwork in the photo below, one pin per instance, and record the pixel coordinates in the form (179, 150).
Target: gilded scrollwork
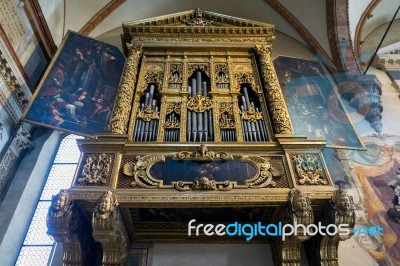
(173, 107)
(203, 155)
(199, 103)
(202, 67)
(204, 183)
(153, 77)
(97, 169)
(263, 177)
(280, 115)
(122, 106)
(221, 73)
(226, 116)
(242, 78)
(176, 73)
(140, 171)
(251, 114)
(309, 169)
(148, 114)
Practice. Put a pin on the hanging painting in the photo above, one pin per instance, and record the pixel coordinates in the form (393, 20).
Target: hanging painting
(78, 90)
(314, 107)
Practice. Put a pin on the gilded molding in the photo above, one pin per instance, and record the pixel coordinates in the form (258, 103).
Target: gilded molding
(122, 106)
(140, 170)
(277, 107)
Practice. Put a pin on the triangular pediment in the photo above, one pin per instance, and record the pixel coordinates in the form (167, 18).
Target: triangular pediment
(196, 18)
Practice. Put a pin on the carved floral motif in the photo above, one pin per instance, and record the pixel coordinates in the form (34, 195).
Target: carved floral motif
(97, 169)
(309, 169)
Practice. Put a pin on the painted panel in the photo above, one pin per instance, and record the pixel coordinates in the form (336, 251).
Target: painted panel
(314, 106)
(78, 90)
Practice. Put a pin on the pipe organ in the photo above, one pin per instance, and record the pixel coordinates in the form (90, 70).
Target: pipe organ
(199, 130)
(200, 105)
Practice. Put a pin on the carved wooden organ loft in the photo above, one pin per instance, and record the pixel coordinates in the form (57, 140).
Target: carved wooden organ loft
(199, 130)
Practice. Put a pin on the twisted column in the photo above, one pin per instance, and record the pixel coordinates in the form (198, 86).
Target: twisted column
(122, 106)
(276, 104)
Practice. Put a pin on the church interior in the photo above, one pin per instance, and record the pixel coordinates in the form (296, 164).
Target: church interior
(141, 132)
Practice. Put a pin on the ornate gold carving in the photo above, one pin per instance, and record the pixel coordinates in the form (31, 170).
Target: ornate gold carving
(203, 183)
(276, 103)
(176, 73)
(97, 169)
(203, 155)
(199, 103)
(148, 114)
(263, 178)
(173, 107)
(202, 67)
(244, 77)
(123, 102)
(153, 77)
(226, 116)
(309, 169)
(251, 115)
(172, 124)
(221, 73)
(140, 170)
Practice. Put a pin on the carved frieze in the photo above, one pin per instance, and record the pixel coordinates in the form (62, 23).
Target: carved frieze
(97, 169)
(203, 155)
(309, 169)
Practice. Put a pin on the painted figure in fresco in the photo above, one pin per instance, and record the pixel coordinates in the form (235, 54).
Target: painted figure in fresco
(106, 205)
(395, 185)
(59, 204)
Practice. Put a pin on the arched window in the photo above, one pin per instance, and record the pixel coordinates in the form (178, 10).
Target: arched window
(38, 246)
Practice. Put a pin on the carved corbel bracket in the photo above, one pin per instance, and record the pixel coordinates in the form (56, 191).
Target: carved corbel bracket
(323, 249)
(298, 212)
(65, 225)
(109, 230)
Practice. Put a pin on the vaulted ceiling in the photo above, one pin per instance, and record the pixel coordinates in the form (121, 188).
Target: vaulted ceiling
(327, 27)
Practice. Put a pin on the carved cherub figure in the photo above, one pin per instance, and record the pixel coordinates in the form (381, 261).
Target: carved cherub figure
(343, 202)
(59, 204)
(300, 203)
(106, 205)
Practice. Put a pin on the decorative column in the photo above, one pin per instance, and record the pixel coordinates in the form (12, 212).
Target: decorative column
(109, 230)
(123, 103)
(299, 214)
(65, 225)
(276, 104)
(323, 249)
(7, 163)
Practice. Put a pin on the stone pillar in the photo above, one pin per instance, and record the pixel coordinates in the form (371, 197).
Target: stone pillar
(109, 230)
(276, 104)
(123, 103)
(66, 226)
(323, 249)
(20, 142)
(298, 212)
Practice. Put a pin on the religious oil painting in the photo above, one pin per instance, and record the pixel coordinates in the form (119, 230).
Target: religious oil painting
(314, 106)
(78, 90)
(220, 171)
